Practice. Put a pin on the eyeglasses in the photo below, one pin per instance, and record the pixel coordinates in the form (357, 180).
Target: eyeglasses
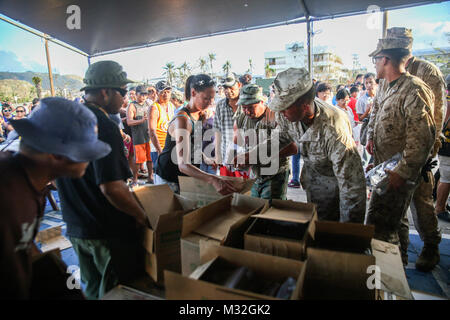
(123, 92)
(374, 59)
(20, 111)
(7, 110)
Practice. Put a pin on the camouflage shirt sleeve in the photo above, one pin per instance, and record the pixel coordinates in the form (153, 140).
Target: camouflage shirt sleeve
(349, 173)
(420, 136)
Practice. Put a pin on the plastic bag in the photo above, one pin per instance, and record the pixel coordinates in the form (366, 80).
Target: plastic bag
(377, 178)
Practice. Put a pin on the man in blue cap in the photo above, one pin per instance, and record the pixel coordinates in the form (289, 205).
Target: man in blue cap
(102, 215)
(58, 139)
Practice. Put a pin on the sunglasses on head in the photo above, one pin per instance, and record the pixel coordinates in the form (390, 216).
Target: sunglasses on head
(123, 92)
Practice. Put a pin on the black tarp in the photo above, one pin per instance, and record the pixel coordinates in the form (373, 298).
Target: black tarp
(118, 24)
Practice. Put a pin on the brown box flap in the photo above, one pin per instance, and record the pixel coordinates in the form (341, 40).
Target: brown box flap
(393, 278)
(157, 200)
(204, 193)
(288, 211)
(52, 238)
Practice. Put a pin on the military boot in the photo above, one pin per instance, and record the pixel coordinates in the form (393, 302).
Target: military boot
(428, 259)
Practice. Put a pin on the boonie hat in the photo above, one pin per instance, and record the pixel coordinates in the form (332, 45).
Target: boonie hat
(250, 94)
(62, 127)
(105, 74)
(288, 86)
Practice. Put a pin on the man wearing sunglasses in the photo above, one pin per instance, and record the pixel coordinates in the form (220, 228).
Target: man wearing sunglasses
(401, 122)
(101, 213)
(7, 115)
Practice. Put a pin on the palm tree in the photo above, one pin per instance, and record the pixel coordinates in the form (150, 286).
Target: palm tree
(269, 71)
(38, 84)
(250, 66)
(211, 57)
(202, 64)
(184, 72)
(226, 67)
(170, 72)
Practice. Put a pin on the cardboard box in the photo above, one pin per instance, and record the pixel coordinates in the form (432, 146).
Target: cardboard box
(204, 193)
(213, 224)
(335, 275)
(181, 287)
(268, 235)
(164, 211)
(356, 239)
(52, 238)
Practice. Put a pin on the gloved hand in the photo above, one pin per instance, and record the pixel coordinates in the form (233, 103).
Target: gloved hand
(428, 167)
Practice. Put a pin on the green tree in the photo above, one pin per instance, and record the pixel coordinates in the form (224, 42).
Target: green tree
(270, 72)
(250, 66)
(226, 67)
(184, 72)
(37, 81)
(211, 57)
(202, 64)
(169, 72)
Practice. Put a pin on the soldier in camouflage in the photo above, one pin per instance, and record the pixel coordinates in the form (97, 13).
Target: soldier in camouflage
(422, 206)
(401, 122)
(332, 173)
(251, 118)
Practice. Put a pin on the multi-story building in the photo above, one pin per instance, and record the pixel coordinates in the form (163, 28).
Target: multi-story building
(327, 66)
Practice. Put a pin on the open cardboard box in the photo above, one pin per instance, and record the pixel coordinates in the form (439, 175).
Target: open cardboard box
(357, 239)
(213, 224)
(265, 235)
(204, 193)
(179, 287)
(164, 211)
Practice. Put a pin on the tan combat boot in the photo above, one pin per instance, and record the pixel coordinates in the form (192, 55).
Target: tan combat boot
(428, 259)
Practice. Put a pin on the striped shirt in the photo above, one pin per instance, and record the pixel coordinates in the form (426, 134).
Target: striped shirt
(223, 123)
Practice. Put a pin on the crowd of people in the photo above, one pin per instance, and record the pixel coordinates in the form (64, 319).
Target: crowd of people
(97, 148)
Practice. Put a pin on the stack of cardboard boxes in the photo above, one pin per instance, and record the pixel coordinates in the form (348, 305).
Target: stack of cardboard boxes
(202, 245)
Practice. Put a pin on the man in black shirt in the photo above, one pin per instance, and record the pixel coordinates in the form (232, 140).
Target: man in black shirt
(103, 218)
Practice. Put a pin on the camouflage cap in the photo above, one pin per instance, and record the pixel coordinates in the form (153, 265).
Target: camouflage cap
(250, 94)
(396, 38)
(177, 95)
(399, 32)
(229, 80)
(105, 74)
(288, 86)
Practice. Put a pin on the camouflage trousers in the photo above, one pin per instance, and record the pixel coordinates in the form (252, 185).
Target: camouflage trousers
(274, 187)
(386, 212)
(424, 217)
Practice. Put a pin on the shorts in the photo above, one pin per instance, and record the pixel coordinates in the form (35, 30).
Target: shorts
(142, 152)
(130, 148)
(444, 169)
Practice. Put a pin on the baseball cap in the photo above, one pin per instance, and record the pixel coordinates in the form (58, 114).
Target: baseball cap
(162, 85)
(229, 80)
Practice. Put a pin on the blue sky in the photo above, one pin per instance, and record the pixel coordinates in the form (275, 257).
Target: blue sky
(22, 51)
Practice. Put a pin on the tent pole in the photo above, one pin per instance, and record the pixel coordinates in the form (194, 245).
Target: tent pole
(385, 23)
(309, 31)
(49, 66)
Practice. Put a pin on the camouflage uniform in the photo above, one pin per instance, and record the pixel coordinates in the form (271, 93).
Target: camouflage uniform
(422, 205)
(266, 186)
(402, 122)
(332, 172)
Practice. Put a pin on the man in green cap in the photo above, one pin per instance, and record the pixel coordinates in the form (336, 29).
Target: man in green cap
(422, 205)
(101, 213)
(332, 173)
(401, 122)
(253, 120)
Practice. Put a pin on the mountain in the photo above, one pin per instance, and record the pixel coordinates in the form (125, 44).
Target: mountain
(70, 82)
